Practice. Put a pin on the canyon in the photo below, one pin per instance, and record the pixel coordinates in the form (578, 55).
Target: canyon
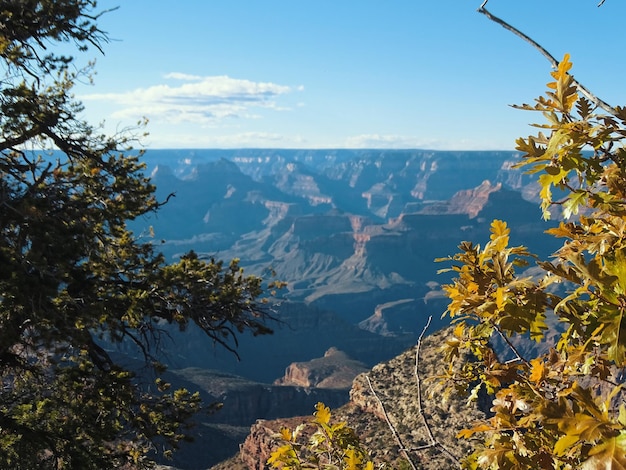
(354, 234)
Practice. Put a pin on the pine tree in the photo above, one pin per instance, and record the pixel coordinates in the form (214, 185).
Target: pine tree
(74, 278)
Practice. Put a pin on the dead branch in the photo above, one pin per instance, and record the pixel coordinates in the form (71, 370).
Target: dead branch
(433, 442)
(555, 63)
(392, 428)
(511, 346)
(420, 407)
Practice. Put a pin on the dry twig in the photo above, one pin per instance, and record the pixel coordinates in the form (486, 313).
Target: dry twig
(392, 428)
(433, 442)
(555, 63)
(418, 380)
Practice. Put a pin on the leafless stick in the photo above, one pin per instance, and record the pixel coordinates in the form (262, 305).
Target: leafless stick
(518, 356)
(418, 379)
(590, 96)
(433, 442)
(396, 436)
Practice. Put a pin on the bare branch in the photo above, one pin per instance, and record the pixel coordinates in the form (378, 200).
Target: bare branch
(555, 63)
(518, 356)
(392, 428)
(433, 442)
(418, 379)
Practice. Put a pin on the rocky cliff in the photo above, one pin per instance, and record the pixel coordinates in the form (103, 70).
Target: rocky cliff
(303, 334)
(394, 384)
(336, 370)
(239, 402)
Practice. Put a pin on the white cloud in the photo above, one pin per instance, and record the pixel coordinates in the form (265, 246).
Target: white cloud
(238, 140)
(405, 142)
(388, 141)
(257, 139)
(183, 76)
(196, 99)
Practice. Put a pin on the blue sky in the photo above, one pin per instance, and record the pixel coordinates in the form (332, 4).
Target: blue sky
(342, 74)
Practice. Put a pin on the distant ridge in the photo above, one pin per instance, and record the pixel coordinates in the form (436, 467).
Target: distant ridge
(337, 222)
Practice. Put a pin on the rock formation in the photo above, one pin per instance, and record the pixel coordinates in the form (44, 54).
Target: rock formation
(336, 370)
(217, 435)
(395, 386)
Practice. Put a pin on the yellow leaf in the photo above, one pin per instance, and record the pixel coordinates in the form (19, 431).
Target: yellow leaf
(561, 231)
(580, 427)
(497, 457)
(608, 454)
(565, 442)
(570, 101)
(617, 268)
(285, 434)
(467, 433)
(352, 459)
(498, 228)
(537, 370)
(564, 66)
(500, 299)
(281, 455)
(499, 234)
(322, 415)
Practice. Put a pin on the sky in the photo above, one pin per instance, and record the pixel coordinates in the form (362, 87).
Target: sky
(342, 73)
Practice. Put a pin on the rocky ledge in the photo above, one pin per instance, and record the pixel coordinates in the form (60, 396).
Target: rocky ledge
(389, 388)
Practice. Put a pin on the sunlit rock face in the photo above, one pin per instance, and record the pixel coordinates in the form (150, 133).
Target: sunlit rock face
(335, 370)
(394, 384)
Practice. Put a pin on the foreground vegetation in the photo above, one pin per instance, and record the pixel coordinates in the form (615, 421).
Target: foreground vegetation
(563, 409)
(74, 279)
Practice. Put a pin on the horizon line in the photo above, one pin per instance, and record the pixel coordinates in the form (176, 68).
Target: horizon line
(352, 149)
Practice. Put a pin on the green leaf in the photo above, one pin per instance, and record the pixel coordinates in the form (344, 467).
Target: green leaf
(573, 203)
